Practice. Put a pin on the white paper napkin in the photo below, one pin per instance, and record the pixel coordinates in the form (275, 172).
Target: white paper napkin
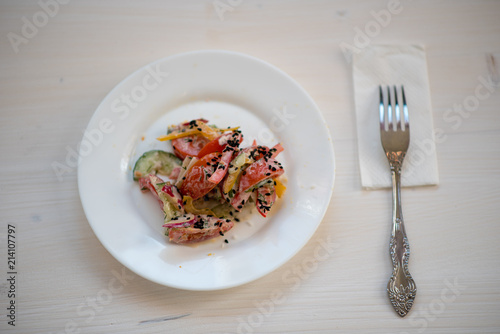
(394, 65)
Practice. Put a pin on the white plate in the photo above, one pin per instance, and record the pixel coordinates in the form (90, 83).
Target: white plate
(228, 89)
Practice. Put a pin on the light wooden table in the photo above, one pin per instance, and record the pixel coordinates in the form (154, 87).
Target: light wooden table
(59, 59)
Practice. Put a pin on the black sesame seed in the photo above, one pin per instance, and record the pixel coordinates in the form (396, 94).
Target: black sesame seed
(225, 240)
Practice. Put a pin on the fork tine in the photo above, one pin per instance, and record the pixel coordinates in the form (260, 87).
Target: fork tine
(405, 110)
(396, 109)
(381, 109)
(389, 109)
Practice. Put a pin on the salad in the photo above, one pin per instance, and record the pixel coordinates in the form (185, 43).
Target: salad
(211, 178)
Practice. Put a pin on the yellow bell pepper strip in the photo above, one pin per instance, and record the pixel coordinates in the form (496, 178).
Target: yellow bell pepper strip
(230, 182)
(230, 129)
(207, 131)
(178, 134)
(279, 187)
(234, 172)
(195, 128)
(189, 207)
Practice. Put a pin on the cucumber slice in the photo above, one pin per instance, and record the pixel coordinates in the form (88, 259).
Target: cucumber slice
(156, 162)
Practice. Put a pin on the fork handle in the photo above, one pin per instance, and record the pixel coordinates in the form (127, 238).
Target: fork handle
(401, 287)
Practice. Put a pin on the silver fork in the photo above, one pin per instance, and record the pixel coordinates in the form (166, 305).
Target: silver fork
(395, 137)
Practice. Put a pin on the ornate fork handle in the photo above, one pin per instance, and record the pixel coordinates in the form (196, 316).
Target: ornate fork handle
(401, 287)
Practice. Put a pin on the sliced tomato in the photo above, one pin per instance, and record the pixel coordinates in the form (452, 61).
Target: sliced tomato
(227, 143)
(210, 147)
(218, 144)
(259, 171)
(257, 152)
(189, 146)
(196, 182)
(276, 149)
